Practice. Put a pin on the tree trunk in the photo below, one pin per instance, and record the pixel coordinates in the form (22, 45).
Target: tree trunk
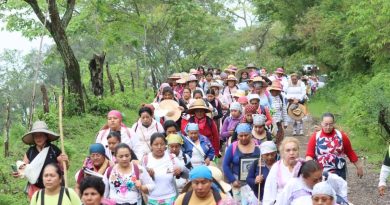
(7, 126)
(85, 93)
(122, 88)
(56, 26)
(132, 81)
(45, 99)
(96, 65)
(110, 80)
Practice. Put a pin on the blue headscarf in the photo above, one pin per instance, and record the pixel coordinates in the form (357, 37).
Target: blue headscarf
(201, 172)
(97, 148)
(243, 128)
(191, 127)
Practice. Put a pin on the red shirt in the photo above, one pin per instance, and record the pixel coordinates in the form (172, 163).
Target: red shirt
(204, 129)
(347, 147)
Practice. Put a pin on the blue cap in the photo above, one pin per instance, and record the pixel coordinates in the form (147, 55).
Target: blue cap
(97, 148)
(243, 128)
(201, 171)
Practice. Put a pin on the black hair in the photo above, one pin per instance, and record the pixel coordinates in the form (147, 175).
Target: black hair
(145, 109)
(157, 135)
(210, 91)
(58, 169)
(197, 91)
(209, 73)
(167, 90)
(116, 134)
(327, 114)
(170, 123)
(120, 146)
(308, 168)
(92, 182)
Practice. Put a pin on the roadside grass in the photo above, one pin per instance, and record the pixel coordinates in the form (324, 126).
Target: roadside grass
(370, 147)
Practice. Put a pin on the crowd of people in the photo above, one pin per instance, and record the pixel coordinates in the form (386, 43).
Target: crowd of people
(209, 137)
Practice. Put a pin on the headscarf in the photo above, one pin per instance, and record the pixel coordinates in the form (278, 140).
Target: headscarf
(236, 106)
(243, 128)
(267, 147)
(174, 138)
(201, 172)
(250, 109)
(191, 127)
(324, 188)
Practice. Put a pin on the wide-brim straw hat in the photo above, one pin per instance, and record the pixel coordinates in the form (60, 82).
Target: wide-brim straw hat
(175, 76)
(239, 73)
(194, 72)
(217, 175)
(297, 113)
(172, 107)
(231, 78)
(216, 84)
(251, 66)
(192, 78)
(276, 85)
(39, 127)
(181, 81)
(231, 68)
(198, 104)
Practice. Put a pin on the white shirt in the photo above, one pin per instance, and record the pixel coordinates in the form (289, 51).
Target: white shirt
(197, 157)
(297, 91)
(127, 137)
(143, 135)
(163, 175)
(277, 178)
(296, 192)
(123, 195)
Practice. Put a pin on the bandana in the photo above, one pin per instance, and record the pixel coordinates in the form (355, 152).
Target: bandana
(250, 109)
(201, 172)
(243, 128)
(115, 113)
(174, 138)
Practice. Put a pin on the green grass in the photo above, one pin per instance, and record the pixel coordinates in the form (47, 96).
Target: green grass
(79, 133)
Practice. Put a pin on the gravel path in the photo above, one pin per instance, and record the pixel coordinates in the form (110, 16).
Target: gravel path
(361, 191)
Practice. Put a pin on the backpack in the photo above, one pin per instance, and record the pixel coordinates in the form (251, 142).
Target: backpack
(136, 171)
(262, 110)
(187, 197)
(145, 159)
(42, 191)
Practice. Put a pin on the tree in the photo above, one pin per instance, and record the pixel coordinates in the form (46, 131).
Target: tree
(56, 25)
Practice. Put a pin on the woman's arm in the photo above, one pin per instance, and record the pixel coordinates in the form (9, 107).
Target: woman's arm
(146, 181)
(226, 165)
(250, 179)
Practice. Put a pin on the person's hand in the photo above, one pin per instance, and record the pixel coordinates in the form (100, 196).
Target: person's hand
(259, 179)
(359, 171)
(63, 158)
(295, 101)
(207, 161)
(176, 171)
(181, 108)
(138, 184)
(15, 174)
(236, 184)
(151, 172)
(381, 190)
(231, 132)
(285, 127)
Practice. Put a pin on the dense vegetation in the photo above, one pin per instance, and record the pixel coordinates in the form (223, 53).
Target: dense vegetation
(145, 41)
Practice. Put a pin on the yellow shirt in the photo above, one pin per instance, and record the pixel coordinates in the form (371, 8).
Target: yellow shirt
(209, 200)
(53, 199)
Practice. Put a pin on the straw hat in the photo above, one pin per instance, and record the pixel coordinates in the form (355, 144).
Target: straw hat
(251, 66)
(172, 108)
(276, 85)
(192, 78)
(258, 79)
(198, 104)
(217, 175)
(175, 76)
(39, 127)
(181, 81)
(231, 68)
(231, 78)
(194, 72)
(239, 73)
(296, 111)
(216, 84)
(239, 93)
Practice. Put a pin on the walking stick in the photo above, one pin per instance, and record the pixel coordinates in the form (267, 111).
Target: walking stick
(258, 192)
(62, 140)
